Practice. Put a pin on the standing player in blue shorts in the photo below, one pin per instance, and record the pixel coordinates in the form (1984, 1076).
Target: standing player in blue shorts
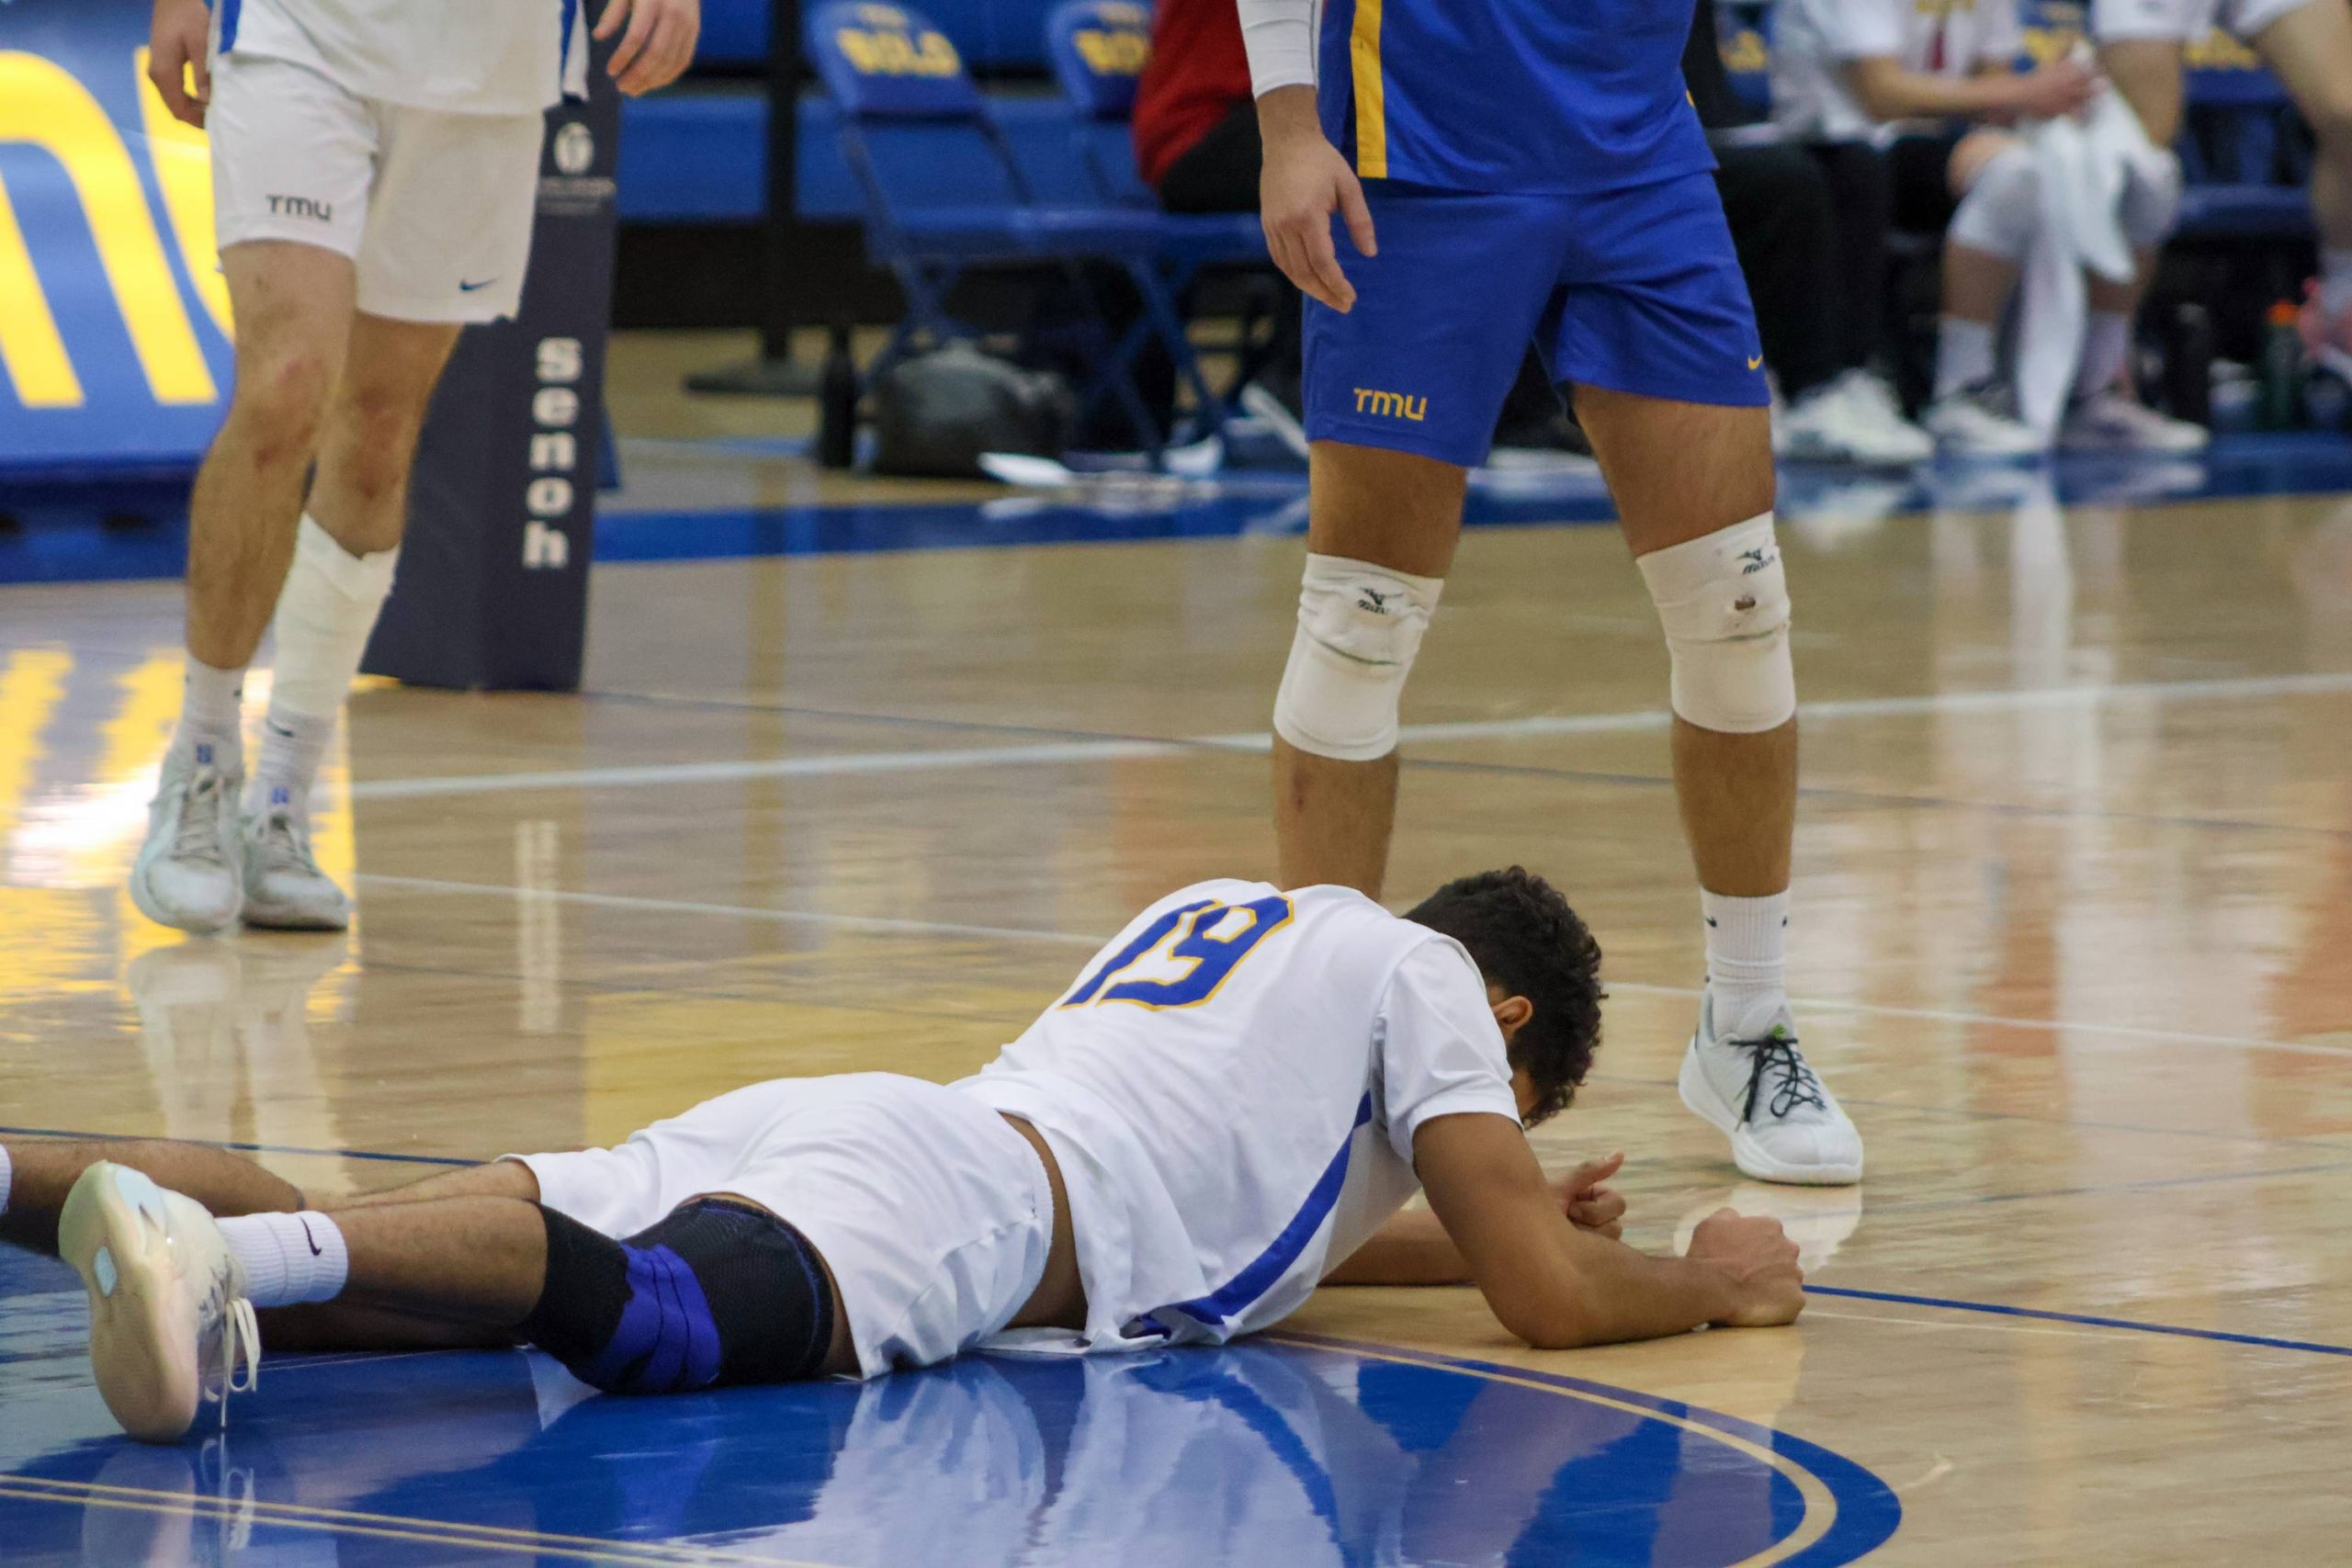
(1512, 170)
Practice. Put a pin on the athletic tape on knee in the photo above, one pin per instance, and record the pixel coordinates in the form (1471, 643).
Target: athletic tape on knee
(1724, 602)
(2151, 201)
(713, 1294)
(325, 613)
(1359, 626)
(2003, 209)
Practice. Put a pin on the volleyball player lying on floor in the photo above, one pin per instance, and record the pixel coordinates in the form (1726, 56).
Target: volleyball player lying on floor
(1232, 1104)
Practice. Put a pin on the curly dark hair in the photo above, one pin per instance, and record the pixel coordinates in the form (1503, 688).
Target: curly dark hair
(1524, 938)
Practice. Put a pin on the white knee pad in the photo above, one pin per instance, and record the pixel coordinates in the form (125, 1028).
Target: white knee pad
(1724, 604)
(1359, 628)
(2003, 209)
(2151, 199)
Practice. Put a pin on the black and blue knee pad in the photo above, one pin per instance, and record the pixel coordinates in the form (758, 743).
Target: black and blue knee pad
(716, 1294)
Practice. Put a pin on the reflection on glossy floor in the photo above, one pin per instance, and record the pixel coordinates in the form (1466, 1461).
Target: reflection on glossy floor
(2074, 939)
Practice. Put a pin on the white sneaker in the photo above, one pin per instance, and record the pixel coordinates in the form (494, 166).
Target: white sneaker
(1784, 1122)
(169, 1327)
(1978, 423)
(285, 889)
(2113, 421)
(187, 872)
(1851, 420)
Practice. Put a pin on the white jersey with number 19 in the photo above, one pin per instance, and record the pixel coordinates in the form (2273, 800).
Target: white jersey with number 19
(1231, 1091)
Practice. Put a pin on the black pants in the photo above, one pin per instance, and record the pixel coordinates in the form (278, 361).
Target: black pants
(1219, 174)
(1809, 223)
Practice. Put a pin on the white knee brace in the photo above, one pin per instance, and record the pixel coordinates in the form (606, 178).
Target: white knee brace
(1359, 628)
(2003, 209)
(2151, 199)
(1724, 604)
(325, 613)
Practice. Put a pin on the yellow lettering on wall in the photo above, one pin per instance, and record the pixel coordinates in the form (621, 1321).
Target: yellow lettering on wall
(183, 159)
(30, 351)
(41, 103)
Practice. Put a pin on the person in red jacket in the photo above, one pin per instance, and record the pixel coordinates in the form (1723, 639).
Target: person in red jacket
(1195, 118)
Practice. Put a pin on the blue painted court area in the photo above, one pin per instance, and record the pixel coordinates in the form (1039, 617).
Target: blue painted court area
(1293, 1452)
(67, 529)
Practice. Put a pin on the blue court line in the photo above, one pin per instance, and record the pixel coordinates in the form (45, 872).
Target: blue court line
(1867, 1510)
(1998, 1309)
(235, 1148)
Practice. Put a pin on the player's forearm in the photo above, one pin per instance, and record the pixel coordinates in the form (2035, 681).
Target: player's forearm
(1412, 1248)
(1605, 1292)
(1890, 93)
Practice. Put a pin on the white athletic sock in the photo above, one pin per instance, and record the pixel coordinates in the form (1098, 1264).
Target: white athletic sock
(2107, 343)
(289, 1258)
(291, 746)
(2334, 280)
(211, 725)
(8, 1177)
(324, 617)
(1747, 949)
(1964, 354)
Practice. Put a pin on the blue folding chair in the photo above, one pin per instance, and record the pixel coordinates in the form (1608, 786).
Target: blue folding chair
(2244, 164)
(1099, 49)
(943, 194)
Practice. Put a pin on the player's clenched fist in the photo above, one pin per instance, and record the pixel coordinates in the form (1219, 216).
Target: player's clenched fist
(1304, 182)
(659, 44)
(1759, 1264)
(178, 38)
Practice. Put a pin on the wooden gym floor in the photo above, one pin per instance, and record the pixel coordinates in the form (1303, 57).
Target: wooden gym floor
(2073, 940)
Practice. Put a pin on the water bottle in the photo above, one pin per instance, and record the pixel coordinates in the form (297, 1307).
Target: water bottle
(837, 403)
(2281, 405)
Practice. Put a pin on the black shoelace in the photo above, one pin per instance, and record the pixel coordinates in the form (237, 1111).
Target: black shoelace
(1777, 1053)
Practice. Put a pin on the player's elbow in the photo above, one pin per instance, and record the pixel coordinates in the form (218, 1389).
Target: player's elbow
(1561, 1317)
(1878, 87)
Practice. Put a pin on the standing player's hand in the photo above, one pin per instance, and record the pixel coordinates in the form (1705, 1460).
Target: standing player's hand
(1304, 182)
(178, 36)
(1759, 1261)
(660, 42)
(1590, 1206)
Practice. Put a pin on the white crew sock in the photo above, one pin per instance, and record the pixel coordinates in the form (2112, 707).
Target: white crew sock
(2334, 280)
(325, 615)
(1747, 949)
(8, 1177)
(2107, 343)
(289, 1258)
(291, 746)
(1964, 354)
(212, 724)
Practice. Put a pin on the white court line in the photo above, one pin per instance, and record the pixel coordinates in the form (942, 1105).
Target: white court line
(1533, 726)
(1077, 939)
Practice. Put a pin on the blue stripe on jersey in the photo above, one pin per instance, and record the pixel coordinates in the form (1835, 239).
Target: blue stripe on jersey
(1233, 1297)
(228, 9)
(564, 61)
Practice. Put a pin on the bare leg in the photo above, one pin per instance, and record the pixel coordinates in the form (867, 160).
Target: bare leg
(2309, 47)
(223, 1182)
(1332, 818)
(1976, 282)
(2147, 72)
(1679, 472)
(294, 307)
(368, 442)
